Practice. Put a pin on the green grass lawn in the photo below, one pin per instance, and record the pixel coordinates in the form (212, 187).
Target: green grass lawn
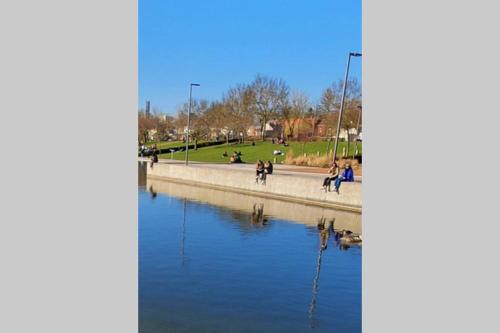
(261, 150)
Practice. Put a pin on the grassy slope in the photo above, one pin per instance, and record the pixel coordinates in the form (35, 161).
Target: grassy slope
(262, 151)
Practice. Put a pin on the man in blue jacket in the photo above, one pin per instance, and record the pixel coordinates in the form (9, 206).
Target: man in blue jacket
(346, 176)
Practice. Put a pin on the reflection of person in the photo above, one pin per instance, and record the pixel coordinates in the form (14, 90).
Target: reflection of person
(153, 193)
(346, 176)
(333, 173)
(258, 214)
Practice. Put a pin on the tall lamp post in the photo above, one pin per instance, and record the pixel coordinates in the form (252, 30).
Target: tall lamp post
(357, 130)
(351, 54)
(188, 120)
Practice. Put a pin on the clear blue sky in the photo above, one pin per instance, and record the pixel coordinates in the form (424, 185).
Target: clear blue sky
(220, 43)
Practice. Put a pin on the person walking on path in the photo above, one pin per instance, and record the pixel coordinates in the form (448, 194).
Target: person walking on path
(333, 174)
(346, 176)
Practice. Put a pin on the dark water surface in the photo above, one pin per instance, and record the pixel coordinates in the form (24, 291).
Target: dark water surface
(204, 268)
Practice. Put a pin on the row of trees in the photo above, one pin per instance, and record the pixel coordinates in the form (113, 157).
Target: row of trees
(257, 103)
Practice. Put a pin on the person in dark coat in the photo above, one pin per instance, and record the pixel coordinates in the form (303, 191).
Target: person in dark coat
(268, 167)
(154, 158)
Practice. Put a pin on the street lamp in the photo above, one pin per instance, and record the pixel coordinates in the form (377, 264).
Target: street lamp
(188, 120)
(357, 130)
(351, 54)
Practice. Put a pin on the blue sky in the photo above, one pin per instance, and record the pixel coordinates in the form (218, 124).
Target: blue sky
(219, 43)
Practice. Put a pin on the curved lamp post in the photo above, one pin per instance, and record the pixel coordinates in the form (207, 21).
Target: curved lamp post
(351, 54)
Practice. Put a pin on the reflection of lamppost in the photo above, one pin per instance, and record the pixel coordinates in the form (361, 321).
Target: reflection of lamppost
(351, 54)
(312, 305)
(183, 238)
(188, 121)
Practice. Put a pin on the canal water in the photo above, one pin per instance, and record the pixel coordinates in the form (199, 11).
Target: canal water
(214, 261)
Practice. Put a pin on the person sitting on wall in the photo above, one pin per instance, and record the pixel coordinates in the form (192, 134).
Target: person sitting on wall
(333, 173)
(268, 168)
(154, 158)
(260, 173)
(346, 176)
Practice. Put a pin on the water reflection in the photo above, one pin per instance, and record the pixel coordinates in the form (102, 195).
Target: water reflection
(183, 232)
(246, 267)
(142, 173)
(325, 227)
(258, 214)
(153, 192)
(312, 305)
(239, 206)
(242, 220)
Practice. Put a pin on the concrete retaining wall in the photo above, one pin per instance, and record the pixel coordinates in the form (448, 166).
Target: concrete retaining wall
(278, 186)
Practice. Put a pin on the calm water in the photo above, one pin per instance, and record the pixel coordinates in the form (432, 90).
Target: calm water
(205, 268)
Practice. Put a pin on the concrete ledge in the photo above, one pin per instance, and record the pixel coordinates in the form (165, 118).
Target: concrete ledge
(294, 188)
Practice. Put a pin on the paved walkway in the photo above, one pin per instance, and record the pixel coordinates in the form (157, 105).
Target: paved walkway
(279, 169)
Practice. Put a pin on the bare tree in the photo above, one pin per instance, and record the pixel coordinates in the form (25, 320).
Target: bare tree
(215, 118)
(330, 103)
(145, 123)
(239, 109)
(164, 126)
(270, 97)
(294, 112)
(199, 128)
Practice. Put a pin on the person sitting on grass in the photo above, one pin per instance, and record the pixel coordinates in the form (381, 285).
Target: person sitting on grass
(333, 174)
(346, 176)
(235, 158)
(225, 154)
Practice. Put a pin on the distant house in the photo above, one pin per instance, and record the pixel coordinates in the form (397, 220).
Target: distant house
(353, 134)
(254, 131)
(273, 128)
(301, 128)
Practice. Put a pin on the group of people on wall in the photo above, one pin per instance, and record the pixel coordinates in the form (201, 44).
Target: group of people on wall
(337, 176)
(262, 170)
